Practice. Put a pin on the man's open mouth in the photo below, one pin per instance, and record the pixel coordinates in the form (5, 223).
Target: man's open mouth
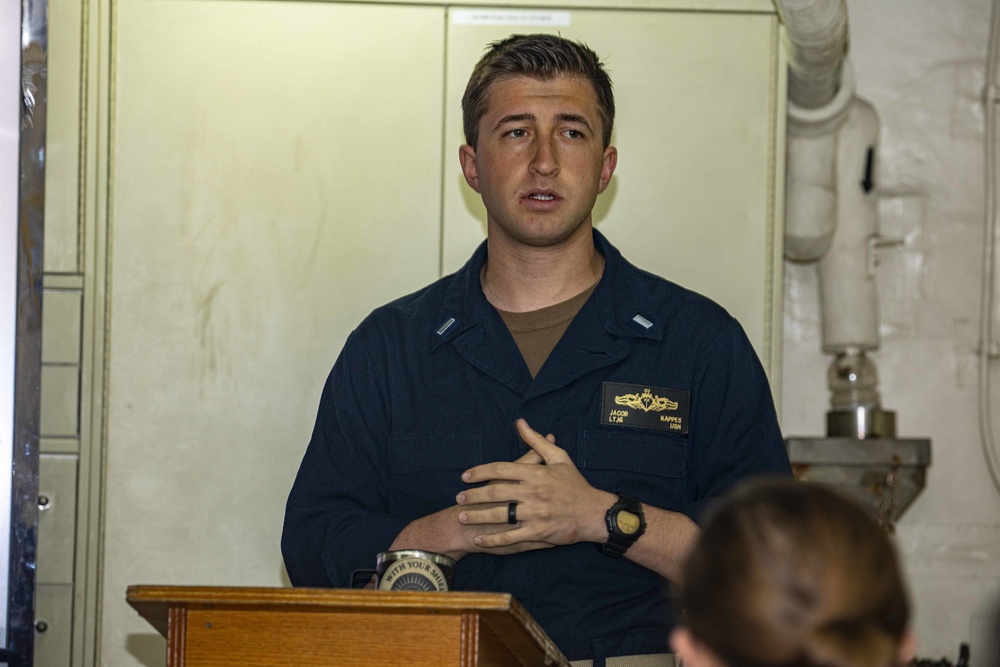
(541, 196)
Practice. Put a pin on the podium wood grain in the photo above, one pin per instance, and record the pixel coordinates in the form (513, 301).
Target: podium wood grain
(308, 627)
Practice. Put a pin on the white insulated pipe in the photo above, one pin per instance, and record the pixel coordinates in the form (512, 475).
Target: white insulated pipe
(831, 213)
(811, 200)
(847, 289)
(816, 43)
(811, 193)
(820, 91)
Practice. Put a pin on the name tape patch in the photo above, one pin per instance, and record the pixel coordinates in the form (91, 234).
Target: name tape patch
(640, 406)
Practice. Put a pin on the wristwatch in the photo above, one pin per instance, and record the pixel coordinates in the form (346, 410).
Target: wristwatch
(626, 524)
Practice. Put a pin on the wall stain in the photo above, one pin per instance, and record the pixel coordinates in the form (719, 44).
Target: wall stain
(206, 331)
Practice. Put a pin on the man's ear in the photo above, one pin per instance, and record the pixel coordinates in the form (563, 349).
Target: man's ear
(608, 167)
(467, 156)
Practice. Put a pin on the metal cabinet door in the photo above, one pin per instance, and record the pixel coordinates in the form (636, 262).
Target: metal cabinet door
(275, 175)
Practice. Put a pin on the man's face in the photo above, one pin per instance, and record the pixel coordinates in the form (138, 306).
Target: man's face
(540, 162)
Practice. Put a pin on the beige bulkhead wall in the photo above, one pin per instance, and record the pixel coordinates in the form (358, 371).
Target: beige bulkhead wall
(252, 178)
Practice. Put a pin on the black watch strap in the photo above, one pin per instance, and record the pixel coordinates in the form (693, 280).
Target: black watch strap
(620, 540)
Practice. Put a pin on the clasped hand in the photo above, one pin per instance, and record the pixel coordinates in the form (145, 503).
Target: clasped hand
(555, 503)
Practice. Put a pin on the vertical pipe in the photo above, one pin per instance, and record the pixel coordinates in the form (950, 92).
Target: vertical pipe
(811, 196)
(848, 295)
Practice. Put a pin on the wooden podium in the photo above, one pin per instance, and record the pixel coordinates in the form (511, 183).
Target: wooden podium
(307, 627)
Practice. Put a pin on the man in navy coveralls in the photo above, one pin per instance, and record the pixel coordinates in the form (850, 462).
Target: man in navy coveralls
(550, 416)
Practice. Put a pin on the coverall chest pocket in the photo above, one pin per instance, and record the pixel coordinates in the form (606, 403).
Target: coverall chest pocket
(649, 466)
(425, 470)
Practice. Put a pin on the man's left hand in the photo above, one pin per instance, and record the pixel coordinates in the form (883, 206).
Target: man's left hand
(555, 503)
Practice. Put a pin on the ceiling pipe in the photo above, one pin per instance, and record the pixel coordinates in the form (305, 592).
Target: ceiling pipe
(816, 43)
(820, 95)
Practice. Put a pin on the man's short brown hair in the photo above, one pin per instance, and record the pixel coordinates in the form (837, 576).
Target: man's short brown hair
(542, 57)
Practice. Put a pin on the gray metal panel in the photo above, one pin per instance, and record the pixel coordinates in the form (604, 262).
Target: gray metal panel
(61, 445)
(56, 518)
(884, 474)
(61, 321)
(60, 408)
(851, 451)
(53, 625)
(62, 142)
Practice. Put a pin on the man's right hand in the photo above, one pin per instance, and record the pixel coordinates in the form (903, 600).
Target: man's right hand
(442, 532)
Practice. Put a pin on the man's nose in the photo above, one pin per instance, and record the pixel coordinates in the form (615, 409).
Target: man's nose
(545, 161)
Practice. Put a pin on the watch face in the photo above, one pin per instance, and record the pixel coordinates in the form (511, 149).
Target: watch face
(627, 522)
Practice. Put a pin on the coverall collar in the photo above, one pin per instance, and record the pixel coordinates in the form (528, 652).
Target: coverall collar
(622, 299)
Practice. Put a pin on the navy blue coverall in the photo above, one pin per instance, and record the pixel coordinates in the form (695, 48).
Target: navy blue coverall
(431, 384)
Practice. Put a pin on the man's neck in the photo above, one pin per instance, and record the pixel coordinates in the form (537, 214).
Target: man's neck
(519, 278)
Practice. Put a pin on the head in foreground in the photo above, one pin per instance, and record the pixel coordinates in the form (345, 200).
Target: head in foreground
(790, 574)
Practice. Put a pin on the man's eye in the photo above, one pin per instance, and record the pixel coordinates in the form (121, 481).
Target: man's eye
(574, 134)
(518, 134)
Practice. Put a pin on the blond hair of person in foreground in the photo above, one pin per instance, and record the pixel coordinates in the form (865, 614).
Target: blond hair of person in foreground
(792, 574)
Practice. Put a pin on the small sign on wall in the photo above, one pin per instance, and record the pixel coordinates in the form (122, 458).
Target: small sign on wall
(521, 17)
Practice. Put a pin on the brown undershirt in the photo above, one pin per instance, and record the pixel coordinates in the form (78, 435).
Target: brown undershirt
(537, 332)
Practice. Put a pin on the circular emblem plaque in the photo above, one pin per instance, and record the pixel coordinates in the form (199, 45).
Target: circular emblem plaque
(413, 574)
